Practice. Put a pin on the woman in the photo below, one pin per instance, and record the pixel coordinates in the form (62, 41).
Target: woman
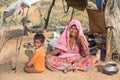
(71, 51)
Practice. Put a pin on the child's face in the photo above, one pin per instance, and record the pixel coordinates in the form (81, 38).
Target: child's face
(37, 43)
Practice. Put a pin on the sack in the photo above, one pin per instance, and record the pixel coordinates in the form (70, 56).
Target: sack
(96, 21)
(77, 4)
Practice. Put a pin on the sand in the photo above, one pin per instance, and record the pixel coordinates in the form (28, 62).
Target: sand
(8, 53)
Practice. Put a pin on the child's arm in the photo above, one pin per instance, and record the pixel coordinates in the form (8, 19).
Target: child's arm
(34, 58)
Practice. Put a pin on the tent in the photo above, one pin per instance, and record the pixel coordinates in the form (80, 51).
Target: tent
(110, 20)
(13, 10)
(107, 21)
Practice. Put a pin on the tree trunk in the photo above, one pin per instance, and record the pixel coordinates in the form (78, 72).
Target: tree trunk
(49, 11)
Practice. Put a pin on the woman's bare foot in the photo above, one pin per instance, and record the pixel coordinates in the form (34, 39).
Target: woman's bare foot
(65, 71)
(75, 70)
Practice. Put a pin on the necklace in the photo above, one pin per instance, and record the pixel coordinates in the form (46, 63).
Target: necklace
(71, 44)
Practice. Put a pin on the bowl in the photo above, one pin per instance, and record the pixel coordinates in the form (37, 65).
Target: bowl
(28, 45)
(110, 68)
(111, 63)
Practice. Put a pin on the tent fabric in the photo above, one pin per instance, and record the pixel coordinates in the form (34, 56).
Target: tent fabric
(13, 9)
(13, 6)
(96, 21)
(119, 4)
(30, 2)
(116, 39)
(16, 7)
(7, 14)
(114, 21)
(101, 4)
(78, 4)
(116, 29)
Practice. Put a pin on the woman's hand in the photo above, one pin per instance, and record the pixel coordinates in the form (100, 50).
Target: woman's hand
(84, 46)
(54, 52)
(87, 53)
(80, 37)
(48, 56)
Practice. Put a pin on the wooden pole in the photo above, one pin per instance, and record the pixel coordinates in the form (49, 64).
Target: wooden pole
(49, 11)
(109, 20)
(108, 44)
(25, 23)
(72, 14)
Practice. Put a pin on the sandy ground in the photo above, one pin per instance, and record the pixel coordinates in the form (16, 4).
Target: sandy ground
(8, 53)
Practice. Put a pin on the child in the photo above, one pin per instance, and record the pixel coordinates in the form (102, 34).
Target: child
(37, 62)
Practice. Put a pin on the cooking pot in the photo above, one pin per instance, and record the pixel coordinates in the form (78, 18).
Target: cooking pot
(28, 45)
(110, 68)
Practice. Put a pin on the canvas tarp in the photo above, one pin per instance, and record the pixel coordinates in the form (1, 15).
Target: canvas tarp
(78, 4)
(119, 4)
(116, 30)
(112, 18)
(13, 9)
(96, 21)
(30, 2)
(16, 7)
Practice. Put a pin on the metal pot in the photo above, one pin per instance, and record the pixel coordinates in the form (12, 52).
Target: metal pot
(110, 68)
(28, 45)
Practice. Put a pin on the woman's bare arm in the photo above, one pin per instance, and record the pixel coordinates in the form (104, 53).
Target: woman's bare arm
(55, 51)
(84, 46)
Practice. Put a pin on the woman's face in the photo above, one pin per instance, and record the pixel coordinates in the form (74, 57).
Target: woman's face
(73, 31)
(37, 43)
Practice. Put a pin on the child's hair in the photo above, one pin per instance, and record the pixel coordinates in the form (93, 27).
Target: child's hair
(39, 36)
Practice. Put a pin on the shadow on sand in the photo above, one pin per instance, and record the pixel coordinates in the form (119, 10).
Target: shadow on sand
(29, 53)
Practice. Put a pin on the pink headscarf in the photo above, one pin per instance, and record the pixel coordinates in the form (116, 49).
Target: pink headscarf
(63, 40)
